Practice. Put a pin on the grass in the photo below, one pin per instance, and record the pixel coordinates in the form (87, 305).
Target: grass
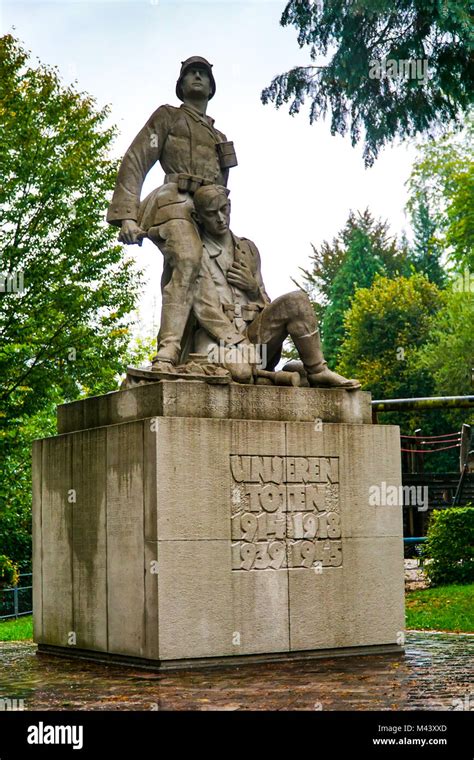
(443, 608)
(17, 630)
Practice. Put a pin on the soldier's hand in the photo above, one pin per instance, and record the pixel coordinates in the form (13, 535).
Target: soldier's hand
(241, 276)
(131, 233)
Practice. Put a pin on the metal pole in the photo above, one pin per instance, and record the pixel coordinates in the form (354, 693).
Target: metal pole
(419, 457)
(465, 445)
(429, 402)
(464, 468)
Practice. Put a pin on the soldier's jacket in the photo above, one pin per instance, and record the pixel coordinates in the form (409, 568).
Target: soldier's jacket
(182, 140)
(214, 296)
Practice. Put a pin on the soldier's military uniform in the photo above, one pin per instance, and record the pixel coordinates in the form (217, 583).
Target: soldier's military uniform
(222, 310)
(229, 316)
(192, 153)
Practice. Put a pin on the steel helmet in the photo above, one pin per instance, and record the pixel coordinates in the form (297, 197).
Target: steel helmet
(187, 64)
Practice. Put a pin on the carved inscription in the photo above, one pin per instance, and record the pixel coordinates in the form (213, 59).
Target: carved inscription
(285, 512)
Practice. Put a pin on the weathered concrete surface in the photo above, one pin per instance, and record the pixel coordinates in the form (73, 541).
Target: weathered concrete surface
(56, 540)
(195, 399)
(89, 571)
(205, 538)
(125, 539)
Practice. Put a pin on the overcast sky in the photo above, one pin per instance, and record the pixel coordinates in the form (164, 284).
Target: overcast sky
(295, 184)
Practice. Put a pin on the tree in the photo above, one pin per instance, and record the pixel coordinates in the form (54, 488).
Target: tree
(362, 249)
(65, 330)
(387, 329)
(442, 180)
(385, 326)
(67, 292)
(387, 69)
(427, 248)
(448, 354)
(16, 487)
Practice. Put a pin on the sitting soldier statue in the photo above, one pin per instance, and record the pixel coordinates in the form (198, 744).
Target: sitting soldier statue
(234, 312)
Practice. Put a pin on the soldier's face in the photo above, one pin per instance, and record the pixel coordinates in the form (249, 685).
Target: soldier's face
(196, 82)
(216, 220)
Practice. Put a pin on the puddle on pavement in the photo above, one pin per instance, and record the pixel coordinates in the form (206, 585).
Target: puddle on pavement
(435, 670)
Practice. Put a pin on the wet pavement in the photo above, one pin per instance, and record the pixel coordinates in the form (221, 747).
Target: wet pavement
(434, 673)
(415, 577)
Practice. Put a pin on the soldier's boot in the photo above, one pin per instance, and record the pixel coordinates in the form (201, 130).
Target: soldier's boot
(318, 373)
(174, 317)
(161, 365)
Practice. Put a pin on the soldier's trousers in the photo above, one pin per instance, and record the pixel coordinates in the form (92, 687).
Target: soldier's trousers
(289, 315)
(166, 214)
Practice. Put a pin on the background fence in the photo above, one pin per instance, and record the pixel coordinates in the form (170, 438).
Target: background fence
(17, 600)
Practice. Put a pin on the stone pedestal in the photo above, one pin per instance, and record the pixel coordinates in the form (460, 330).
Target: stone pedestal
(181, 523)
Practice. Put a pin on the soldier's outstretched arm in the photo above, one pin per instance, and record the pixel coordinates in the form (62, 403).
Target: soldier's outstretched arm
(142, 154)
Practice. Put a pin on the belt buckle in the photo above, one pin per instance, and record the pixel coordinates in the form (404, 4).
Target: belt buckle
(183, 183)
(237, 310)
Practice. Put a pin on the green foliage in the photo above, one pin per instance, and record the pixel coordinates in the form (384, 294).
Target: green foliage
(385, 326)
(8, 572)
(66, 332)
(368, 252)
(427, 249)
(15, 485)
(406, 338)
(362, 249)
(392, 348)
(349, 37)
(357, 271)
(141, 350)
(450, 546)
(442, 180)
(448, 355)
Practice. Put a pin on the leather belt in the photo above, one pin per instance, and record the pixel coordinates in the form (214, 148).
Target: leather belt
(247, 311)
(187, 183)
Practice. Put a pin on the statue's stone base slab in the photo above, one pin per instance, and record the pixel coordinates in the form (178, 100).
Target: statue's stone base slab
(217, 662)
(172, 538)
(183, 398)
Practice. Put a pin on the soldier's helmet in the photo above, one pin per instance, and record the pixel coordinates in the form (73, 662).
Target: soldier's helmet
(187, 64)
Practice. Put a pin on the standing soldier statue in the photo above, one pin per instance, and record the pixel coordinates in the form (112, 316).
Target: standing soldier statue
(192, 153)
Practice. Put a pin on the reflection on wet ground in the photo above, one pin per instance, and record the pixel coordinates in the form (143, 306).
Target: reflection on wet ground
(435, 673)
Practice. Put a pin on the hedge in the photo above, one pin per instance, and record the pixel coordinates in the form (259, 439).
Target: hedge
(450, 546)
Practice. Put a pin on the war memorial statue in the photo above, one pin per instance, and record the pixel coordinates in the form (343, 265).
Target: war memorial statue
(224, 508)
(192, 152)
(211, 280)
